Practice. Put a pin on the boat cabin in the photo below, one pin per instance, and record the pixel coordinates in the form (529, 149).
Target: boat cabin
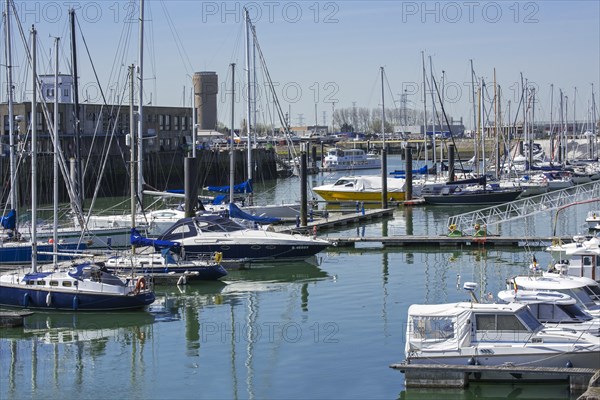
(450, 327)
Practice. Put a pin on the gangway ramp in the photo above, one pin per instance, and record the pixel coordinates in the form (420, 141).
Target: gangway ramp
(522, 208)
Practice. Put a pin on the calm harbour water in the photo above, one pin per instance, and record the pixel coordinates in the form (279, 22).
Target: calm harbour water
(325, 329)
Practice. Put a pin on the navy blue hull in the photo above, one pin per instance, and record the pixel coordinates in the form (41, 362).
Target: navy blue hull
(257, 252)
(37, 299)
(22, 254)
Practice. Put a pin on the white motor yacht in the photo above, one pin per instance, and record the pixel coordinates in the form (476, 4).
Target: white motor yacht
(471, 333)
(553, 309)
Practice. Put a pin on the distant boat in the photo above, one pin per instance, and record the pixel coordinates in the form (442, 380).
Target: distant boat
(470, 191)
(350, 159)
(361, 188)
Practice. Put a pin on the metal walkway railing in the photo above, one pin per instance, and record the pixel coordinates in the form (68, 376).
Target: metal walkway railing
(525, 207)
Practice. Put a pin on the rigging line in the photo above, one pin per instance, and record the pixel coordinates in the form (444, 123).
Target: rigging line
(177, 39)
(274, 94)
(447, 123)
(103, 167)
(385, 77)
(104, 101)
(149, 34)
(62, 163)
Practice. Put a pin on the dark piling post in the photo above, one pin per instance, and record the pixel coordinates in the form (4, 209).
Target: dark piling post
(409, 175)
(190, 185)
(303, 191)
(451, 151)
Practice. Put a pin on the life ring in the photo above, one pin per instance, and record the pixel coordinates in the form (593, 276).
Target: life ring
(452, 227)
(218, 257)
(140, 285)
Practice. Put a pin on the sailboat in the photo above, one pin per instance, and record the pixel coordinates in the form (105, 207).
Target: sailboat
(15, 246)
(71, 286)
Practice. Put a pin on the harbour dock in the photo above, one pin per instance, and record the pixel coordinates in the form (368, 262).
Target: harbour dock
(337, 220)
(457, 376)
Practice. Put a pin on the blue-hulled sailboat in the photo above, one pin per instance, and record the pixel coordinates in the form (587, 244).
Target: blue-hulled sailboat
(72, 286)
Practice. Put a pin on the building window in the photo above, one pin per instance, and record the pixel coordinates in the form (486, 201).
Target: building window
(167, 122)
(183, 123)
(50, 92)
(176, 123)
(66, 92)
(161, 122)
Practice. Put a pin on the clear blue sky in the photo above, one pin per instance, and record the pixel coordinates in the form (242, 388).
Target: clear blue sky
(319, 52)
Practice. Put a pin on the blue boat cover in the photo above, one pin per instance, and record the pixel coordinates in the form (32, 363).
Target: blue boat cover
(10, 220)
(244, 187)
(218, 199)
(138, 240)
(422, 170)
(235, 212)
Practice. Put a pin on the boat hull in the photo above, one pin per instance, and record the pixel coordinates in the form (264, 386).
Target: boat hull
(334, 195)
(209, 272)
(255, 252)
(43, 299)
(20, 253)
(578, 359)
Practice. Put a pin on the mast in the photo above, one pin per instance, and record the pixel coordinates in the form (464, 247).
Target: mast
(475, 117)
(384, 202)
(55, 157)
(231, 149)
(551, 122)
(574, 116)
(249, 107)
(140, 133)
(33, 120)
(496, 139)
(594, 121)
(433, 115)
(79, 177)
(566, 134)
(424, 108)
(132, 163)
(11, 118)
(561, 154)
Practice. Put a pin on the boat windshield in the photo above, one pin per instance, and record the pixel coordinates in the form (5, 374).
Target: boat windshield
(594, 292)
(583, 297)
(548, 312)
(526, 316)
(344, 182)
(218, 225)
